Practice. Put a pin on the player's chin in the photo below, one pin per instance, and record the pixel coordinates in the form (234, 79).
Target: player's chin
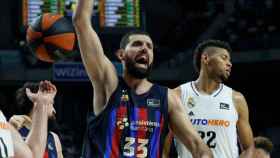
(224, 78)
(227, 75)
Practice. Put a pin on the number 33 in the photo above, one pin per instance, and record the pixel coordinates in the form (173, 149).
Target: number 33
(141, 148)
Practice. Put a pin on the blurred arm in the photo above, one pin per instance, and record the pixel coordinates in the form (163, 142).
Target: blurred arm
(100, 70)
(36, 142)
(43, 101)
(183, 130)
(37, 137)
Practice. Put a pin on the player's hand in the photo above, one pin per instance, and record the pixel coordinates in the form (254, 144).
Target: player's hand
(45, 94)
(249, 153)
(17, 121)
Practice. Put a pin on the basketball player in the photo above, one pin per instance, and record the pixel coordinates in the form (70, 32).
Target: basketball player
(218, 113)
(11, 143)
(263, 147)
(23, 122)
(131, 115)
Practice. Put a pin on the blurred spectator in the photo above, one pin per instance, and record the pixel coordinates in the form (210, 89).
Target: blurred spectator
(23, 122)
(263, 147)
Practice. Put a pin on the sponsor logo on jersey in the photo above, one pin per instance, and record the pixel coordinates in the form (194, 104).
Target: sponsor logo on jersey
(191, 113)
(139, 125)
(153, 103)
(224, 106)
(121, 123)
(143, 125)
(210, 122)
(124, 96)
(190, 102)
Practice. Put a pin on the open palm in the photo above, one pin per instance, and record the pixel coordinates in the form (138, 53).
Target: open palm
(46, 93)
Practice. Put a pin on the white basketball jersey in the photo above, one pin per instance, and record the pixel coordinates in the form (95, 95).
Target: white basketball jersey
(6, 143)
(214, 117)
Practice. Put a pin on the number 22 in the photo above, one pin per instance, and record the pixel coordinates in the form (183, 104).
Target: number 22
(211, 135)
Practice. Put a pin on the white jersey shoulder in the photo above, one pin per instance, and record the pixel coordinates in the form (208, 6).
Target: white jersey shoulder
(6, 143)
(214, 117)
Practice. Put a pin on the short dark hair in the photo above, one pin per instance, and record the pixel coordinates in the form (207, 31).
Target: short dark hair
(23, 104)
(125, 38)
(263, 143)
(204, 45)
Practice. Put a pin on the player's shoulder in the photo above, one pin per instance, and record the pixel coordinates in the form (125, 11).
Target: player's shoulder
(53, 133)
(239, 101)
(237, 96)
(182, 87)
(55, 136)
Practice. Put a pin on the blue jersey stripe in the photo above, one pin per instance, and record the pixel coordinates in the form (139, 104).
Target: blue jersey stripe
(50, 147)
(127, 121)
(112, 126)
(154, 141)
(133, 134)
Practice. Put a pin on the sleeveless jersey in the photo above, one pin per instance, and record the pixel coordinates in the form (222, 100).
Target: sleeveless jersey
(131, 125)
(51, 149)
(6, 143)
(214, 117)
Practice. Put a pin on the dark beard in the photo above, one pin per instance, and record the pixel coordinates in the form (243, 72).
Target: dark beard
(139, 73)
(223, 78)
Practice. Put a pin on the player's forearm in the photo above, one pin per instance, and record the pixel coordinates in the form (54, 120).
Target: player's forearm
(192, 141)
(37, 137)
(90, 46)
(248, 153)
(82, 14)
(200, 150)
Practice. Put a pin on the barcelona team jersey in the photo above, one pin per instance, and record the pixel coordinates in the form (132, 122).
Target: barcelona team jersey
(51, 151)
(131, 125)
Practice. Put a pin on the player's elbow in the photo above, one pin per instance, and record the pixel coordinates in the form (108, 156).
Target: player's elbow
(77, 22)
(80, 21)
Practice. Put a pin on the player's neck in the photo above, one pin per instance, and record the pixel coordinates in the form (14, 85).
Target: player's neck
(206, 85)
(140, 86)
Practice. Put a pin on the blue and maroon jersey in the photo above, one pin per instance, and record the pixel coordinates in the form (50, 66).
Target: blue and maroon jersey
(131, 125)
(51, 151)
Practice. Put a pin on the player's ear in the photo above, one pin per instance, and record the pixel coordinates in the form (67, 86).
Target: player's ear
(204, 58)
(120, 54)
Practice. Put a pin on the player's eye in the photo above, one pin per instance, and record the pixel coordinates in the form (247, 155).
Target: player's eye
(137, 43)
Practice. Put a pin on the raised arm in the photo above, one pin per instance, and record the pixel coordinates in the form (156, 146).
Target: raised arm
(244, 129)
(35, 144)
(99, 69)
(183, 130)
(37, 139)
